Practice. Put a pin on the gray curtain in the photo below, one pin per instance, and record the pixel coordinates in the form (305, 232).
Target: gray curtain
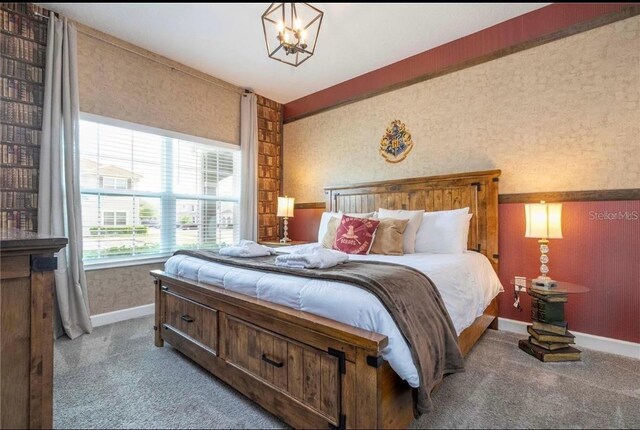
(249, 150)
(59, 211)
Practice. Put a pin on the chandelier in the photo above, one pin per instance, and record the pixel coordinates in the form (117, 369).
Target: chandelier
(291, 31)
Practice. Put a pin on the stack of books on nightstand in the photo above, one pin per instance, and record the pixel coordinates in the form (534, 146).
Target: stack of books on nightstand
(549, 339)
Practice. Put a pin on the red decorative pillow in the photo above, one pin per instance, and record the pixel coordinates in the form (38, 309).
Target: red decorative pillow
(355, 235)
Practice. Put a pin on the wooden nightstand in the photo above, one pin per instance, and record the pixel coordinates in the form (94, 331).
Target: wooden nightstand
(276, 244)
(549, 338)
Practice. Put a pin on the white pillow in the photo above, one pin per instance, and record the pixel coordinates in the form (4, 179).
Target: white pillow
(361, 215)
(326, 216)
(409, 236)
(464, 237)
(444, 232)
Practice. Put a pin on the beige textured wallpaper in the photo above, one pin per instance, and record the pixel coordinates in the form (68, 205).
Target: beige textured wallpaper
(148, 89)
(563, 116)
(120, 288)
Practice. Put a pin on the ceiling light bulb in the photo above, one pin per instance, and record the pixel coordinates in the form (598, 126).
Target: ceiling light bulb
(297, 25)
(280, 26)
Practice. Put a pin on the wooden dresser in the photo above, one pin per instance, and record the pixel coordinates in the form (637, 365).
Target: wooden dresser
(26, 328)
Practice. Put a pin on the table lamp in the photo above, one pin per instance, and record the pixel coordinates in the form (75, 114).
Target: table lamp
(544, 222)
(285, 210)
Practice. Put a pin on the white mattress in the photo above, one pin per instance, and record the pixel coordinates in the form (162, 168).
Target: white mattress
(467, 283)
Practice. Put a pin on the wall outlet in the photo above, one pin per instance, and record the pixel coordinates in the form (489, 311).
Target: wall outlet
(520, 284)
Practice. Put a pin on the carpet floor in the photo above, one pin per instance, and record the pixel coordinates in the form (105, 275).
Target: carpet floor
(116, 378)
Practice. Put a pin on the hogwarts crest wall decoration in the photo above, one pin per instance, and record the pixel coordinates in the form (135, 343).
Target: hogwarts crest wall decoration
(396, 142)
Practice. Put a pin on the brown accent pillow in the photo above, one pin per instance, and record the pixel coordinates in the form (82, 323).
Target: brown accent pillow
(389, 237)
(330, 236)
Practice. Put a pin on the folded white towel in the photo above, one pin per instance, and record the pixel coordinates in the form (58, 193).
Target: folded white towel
(246, 248)
(312, 257)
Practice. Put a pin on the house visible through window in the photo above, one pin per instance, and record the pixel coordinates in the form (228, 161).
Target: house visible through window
(148, 192)
(114, 183)
(114, 218)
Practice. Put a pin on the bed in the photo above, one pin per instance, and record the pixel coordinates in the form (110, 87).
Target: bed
(314, 366)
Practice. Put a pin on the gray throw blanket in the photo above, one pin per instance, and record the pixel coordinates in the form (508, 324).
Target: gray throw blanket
(410, 297)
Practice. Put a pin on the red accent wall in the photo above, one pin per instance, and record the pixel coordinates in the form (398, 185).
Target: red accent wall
(304, 224)
(602, 254)
(505, 36)
(600, 249)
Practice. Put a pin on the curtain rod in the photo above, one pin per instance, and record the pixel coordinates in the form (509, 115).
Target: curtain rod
(219, 84)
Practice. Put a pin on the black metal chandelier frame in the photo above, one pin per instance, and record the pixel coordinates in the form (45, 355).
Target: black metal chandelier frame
(299, 45)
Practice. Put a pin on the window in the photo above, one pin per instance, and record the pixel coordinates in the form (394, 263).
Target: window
(112, 183)
(114, 218)
(147, 192)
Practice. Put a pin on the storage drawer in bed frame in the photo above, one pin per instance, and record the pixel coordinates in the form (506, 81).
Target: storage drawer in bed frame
(309, 375)
(198, 322)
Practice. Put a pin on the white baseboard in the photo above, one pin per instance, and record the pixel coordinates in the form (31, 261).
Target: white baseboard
(590, 341)
(122, 315)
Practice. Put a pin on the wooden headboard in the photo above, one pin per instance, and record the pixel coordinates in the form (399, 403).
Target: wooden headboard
(477, 190)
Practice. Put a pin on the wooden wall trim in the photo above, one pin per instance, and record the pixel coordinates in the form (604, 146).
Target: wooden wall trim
(550, 196)
(572, 196)
(312, 205)
(419, 180)
(533, 29)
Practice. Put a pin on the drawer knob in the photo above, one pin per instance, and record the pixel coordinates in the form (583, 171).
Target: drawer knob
(186, 318)
(272, 362)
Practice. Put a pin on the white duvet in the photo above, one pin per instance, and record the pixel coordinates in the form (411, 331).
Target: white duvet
(467, 283)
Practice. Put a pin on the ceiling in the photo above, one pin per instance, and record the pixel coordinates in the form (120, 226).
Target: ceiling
(227, 41)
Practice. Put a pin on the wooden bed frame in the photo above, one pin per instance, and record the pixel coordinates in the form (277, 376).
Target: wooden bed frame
(311, 371)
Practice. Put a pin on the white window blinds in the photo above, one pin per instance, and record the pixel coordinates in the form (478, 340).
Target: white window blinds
(146, 195)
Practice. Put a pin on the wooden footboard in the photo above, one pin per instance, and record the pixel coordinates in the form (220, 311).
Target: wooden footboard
(309, 371)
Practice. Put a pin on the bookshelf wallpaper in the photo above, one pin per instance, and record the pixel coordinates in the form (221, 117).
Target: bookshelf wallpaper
(23, 57)
(269, 167)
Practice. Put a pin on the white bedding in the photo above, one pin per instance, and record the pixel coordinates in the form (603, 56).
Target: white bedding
(466, 281)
